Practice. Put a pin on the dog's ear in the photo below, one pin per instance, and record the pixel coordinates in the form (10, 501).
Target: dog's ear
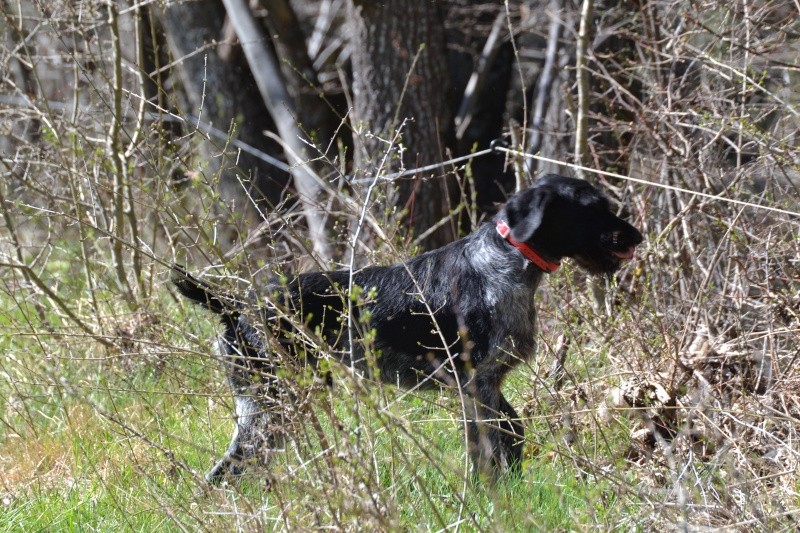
(525, 212)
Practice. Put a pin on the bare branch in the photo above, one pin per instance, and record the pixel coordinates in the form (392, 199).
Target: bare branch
(544, 86)
(582, 78)
(273, 90)
(479, 73)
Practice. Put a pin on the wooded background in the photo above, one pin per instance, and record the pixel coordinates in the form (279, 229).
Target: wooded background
(682, 93)
(257, 137)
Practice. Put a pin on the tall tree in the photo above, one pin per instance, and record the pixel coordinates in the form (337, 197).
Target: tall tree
(400, 72)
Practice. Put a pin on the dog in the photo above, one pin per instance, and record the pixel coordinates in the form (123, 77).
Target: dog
(461, 316)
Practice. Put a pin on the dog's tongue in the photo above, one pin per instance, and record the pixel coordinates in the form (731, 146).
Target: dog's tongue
(626, 254)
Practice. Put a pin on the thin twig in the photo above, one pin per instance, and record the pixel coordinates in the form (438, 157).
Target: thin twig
(117, 158)
(582, 79)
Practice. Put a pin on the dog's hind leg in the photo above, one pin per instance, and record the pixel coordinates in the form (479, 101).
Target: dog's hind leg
(254, 384)
(254, 438)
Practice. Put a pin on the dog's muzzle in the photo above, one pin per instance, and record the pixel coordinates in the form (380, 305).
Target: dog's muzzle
(624, 251)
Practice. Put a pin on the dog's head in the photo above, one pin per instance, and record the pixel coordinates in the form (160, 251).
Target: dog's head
(567, 217)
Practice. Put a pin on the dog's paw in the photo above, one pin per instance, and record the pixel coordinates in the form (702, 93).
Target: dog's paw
(225, 470)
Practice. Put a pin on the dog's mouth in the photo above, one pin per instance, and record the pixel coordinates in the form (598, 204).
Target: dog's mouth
(609, 252)
(624, 255)
(605, 261)
(621, 247)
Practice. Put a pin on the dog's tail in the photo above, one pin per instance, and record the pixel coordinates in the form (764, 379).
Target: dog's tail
(200, 292)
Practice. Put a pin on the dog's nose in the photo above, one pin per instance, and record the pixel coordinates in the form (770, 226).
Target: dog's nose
(632, 237)
(624, 243)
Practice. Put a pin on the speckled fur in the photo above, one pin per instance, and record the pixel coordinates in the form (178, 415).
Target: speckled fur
(476, 293)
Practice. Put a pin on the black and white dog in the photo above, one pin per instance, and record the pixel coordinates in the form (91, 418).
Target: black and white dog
(462, 315)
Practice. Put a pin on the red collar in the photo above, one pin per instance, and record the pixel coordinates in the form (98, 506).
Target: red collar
(532, 255)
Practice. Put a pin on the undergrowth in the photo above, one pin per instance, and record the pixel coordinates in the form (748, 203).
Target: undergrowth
(666, 397)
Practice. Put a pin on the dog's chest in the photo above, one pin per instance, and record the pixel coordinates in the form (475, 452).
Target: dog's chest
(513, 315)
(507, 284)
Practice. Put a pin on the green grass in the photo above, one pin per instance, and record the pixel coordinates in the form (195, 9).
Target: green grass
(104, 441)
(118, 439)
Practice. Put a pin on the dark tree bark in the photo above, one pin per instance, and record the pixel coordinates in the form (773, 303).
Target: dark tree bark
(615, 96)
(400, 72)
(223, 91)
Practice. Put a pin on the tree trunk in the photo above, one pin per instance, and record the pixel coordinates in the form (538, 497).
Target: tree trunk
(400, 72)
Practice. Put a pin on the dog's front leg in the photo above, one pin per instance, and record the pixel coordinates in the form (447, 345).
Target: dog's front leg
(494, 431)
(511, 435)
